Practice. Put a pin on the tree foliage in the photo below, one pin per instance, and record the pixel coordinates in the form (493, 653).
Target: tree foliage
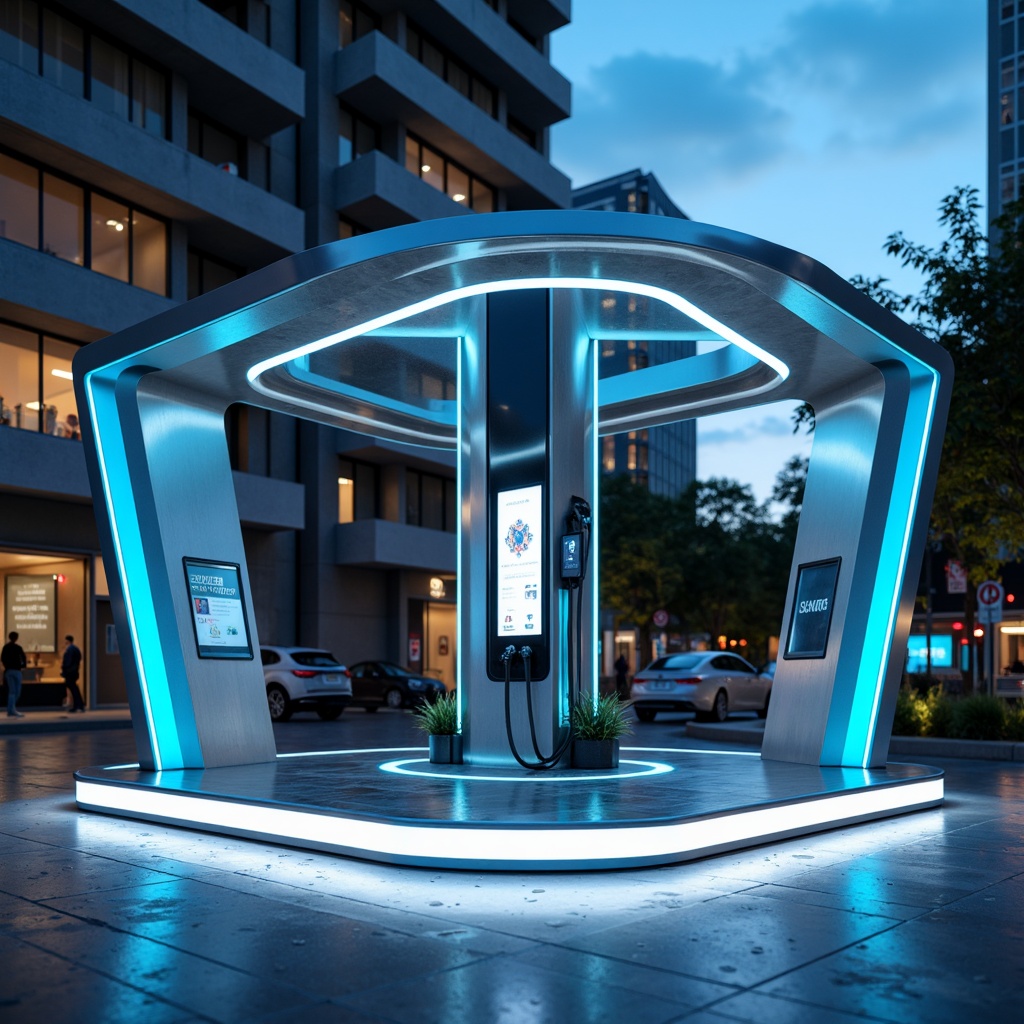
(714, 558)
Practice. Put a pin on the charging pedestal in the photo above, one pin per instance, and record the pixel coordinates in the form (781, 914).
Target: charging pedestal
(529, 446)
(520, 301)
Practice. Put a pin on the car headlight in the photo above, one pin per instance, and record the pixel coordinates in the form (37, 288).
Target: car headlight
(417, 684)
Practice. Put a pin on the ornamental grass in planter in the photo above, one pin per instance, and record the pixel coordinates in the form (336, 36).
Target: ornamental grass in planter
(440, 721)
(597, 726)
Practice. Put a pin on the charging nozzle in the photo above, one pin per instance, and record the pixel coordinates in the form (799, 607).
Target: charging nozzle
(509, 653)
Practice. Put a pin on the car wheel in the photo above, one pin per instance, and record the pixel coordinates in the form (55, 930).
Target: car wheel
(279, 704)
(394, 699)
(720, 709)
(329, 713)
(645, 714)
(763, 713)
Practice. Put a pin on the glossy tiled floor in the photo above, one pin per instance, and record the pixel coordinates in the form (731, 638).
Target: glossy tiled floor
(913, 919)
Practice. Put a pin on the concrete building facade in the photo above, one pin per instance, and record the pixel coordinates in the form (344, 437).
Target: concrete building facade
(151, 152)
(662, 459)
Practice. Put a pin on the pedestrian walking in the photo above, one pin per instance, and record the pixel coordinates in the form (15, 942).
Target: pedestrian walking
(621, 684)
(12, 657)
(69, 669)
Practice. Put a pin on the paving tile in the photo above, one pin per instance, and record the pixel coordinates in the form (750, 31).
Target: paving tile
(52, 872)
(836, 901)
(37, 986)
(942, 968)
(324, 954)
(611, 971)
(197, 984)
(736, 940)
(504, 991)
(755, 1008)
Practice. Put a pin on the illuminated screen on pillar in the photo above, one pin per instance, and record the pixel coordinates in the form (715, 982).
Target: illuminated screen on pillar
(811, 618)
(218, 609)
(519, 561)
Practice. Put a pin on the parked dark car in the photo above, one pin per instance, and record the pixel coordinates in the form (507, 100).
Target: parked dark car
(382, 684)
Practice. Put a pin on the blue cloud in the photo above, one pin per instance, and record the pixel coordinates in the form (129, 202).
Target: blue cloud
(769, 426)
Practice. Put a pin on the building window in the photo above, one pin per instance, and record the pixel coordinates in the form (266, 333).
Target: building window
(206, 273)
(349, 228)
(356, 136)
(215, 143)
(430, 501)
(81, 226)
(358, 490)
(436, 58)
(86, 64)
(523, 132)
(446, 176)
(36, 391)
(354, 22)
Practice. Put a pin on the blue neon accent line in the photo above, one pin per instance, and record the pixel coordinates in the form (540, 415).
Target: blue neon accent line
(127, 540)
(860, 727)
(459, 688)
(595, 519)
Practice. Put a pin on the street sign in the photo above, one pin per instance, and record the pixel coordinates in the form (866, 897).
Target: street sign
(990, 603)
(660, 619)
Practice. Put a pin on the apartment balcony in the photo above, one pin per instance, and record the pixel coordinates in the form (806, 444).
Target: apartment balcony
(243, 223)
(380, 544)
(251, 88)
(383, 82)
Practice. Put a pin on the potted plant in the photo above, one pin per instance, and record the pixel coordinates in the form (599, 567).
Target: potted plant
(597, 726)
(439, 719)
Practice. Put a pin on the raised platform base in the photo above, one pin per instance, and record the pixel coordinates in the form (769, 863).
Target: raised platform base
(660, 806)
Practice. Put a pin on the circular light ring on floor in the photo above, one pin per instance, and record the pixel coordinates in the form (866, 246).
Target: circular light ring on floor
(643, 768)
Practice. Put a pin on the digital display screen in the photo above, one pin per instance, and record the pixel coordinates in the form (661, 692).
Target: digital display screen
(218, 609)
(812, 609)
(572, 551)
(917, 652)
(520, 561)
(30, 610)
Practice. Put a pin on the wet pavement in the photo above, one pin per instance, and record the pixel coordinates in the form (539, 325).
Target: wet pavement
(913, 919)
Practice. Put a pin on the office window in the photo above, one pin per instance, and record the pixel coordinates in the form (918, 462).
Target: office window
(36, 390)
(117, 240)
(149, 253)
(63, 219)
(437, 59)
(19, 378)
(63, 53)
(206, 273)
(214, 143)
(1006, 112)
(349, 228)
(19, 33)
(354, 22)
(19, 202)
(356, 136)
(357, 490)
(109, 82)
(110, 234)
(430, 501)
(447, 176)
(149, 98)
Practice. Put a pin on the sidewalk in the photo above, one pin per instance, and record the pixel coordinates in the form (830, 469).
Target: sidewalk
(61, 720)
(750, 732)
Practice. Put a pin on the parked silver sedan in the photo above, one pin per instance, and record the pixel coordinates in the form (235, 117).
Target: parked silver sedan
(712, 683)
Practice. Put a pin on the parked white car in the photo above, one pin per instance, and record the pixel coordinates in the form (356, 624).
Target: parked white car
(304, 679)
(712, 683)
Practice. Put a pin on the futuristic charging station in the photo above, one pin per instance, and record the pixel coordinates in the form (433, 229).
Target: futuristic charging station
(515, 306)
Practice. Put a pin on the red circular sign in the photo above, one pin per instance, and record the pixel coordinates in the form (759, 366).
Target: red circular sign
(990, 593)
(660, 619)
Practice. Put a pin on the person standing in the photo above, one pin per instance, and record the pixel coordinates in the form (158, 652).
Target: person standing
(621, 683)
(69, 669)
(12, 657)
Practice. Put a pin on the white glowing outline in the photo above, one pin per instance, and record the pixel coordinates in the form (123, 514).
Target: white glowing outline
(576, 846)
(467, 291)
(398, 768)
